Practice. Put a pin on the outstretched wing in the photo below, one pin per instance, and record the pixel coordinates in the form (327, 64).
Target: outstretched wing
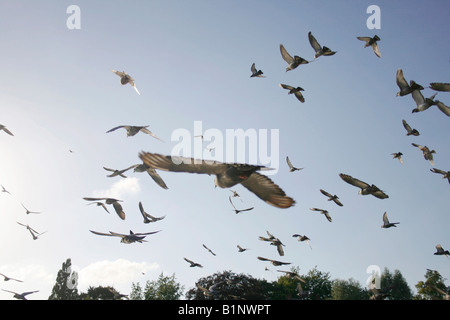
(119, 210)
(285, 55)
(265, 189)
(145, 130)
(445, 109)
(400, 79)
(115, 128)
(312, 40)
(181, 164)
(285, 86)
(111, 234)
(353, 181)
(439, 86)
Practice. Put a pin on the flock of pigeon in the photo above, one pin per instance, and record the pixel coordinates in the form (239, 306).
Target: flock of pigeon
(228, 175)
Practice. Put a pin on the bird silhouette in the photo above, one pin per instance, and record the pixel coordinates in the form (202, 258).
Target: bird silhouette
(386, 223)
(6, 278)
(441, 252)
(324, 212)
(147, 217)
(126, 78)
(302, 238)
(331, 197)
(372, 42)
(422, 104)
(275, 242)
(240, 249)
(318, 49)
(126, 238)
(99, 204)
(116, 172)
(133, 130)
(2, 127)
(274, 262)
(293, 62)
(4, 190)
(297, 91)
(405, 88)
(256, 73)
(365, 188)
(398, 155)
(21, 296)
(445, 174)
(238, 210)
(115, 203)
(193, 264)
(28, 211)
(291, 167)
(427, 153)
(152, 173)
(409, 130)
(227, 175)
(209, 250)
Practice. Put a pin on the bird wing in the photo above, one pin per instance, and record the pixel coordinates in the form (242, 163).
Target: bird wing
(418, 97)
(299, 96)
(285, 86)
(366, 39)
(7, 131)
(145, 130)
(314, 44)
(280, 250)
(141, 209)
(119, 73)
(190, 261)
(111, 234)
(385, 218)
(338, 202)
(289, 163)
(115, 128)
(182, 164)
(406, 125)
(285, 55)
(445, 109)
(134, 86)
(325, 193)
(119, 210)
(353, 181)
(253, 68)
(156, 177)
(145, 233)
(439, 86)
(265, 189)
(376, 49)
(400, 79)
(435, 170)
(380, 194)
(328, 216)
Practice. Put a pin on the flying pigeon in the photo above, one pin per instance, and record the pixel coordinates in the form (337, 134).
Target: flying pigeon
(324, 212)
(28, 211)
(126, 238)
(133, 130)
(240, 249)
(439, 86)
(318, 49)
(445, 174)
(422, 104)
(291, 167)
(440, 251)
(409, 130)
(294, 90)
(209, 250)
(6, 278)
(256, 73)
(227, 175)
(4, 190)
(239, 210)
(302, 238)
(116, 205)
(147, 217)
(427, 154)
(2, 127)
(152, 173)
(334, 198)
(398, 155)
(386, 223)
(116, 172)
(275, 242)
(274, 262)
(293, 62)
(373, 43)
(193, 264)
(365, 187)
(99, 204)
(405, 88)
(125, 78)
(21, 296)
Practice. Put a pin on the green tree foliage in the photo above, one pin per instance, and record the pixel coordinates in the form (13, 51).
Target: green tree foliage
(348, 290)
(65, 287)
(432, 287)
(101, 293)
(164, 288)
(396, 284)
(317, 284)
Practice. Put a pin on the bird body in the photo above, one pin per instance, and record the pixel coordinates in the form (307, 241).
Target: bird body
(239, 210)
(405, 88)
(318, 49)
(6, 278)
(386, 223)
(398, 155)
(21, 296)
(331, 197)
(427, 153)
(274, 262)
(410, 131)
(193, 264)
(422, 104)
(297, 91)
(373, 43)
(126, 78)
(324, 212)
(365, 188)
(293, 62)
(256, 73)
(115, 203)
(126, 238)
(147, 217)
(291, 167)
(133, 130)
(440, 251)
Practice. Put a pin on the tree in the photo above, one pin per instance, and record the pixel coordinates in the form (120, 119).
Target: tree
(430, 288)
(65, 287)
(101, 293)
(317, 284)
(399, 289)
(164, 288)
(348, 290)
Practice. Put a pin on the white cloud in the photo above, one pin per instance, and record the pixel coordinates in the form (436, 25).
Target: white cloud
(120, 188)
(119, 274)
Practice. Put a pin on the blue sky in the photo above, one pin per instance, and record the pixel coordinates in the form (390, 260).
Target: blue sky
(191, 62)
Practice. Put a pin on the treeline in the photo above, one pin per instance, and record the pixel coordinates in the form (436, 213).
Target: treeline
(290, 285)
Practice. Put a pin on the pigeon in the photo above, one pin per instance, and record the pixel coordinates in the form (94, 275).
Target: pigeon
(291, 167)
(147, 217)
(422, 104)
(193, 264)
(256, 73)
(204, 246)
(324, 212)
(239, 210)
(365, 187)
(386, 223)
(125, 78)
(439, 86)
(274, 242)
(152, 173)
(409, 130)
(318, 49)
(116, 172)
(294, 90)
(28, 211)
(405, 89)
(2, 127)
(445, 109)
(211, 291)
(240, 249)
(4, 190)
(292, 275)
(373, 43)
(293, 62)
(427, 154)
(21, 296)
(227, 175)
(133, 130)
(334, 198)
(116, 205)
(126, 238)
(302, 238)
(6, 278)
(99, 204)
(445, 174)
(33, 232)
(274, 262)
(440, 251)
(398, 155)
